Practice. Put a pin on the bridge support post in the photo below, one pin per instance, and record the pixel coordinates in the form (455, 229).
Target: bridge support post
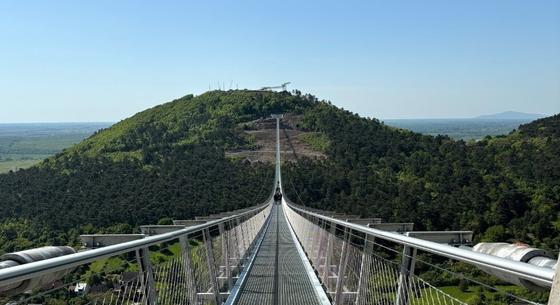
(211, 266)
(328, 255)
(407, 270)
(225, 252)
(253, 230)
(244, 235)
(315, 242)
(310, 236)
(554, 297)
(239, 240)
(322, 238)
(187, 265)
(365, 269)
(338, 300)
(146, 276)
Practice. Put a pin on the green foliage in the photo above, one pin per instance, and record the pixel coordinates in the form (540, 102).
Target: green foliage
(119, 195)
(14, 165)
(17, 235)
(163, 163)
(165, 221)
(542, 128)
(317, 141)
(211, 118)
(504, 188)
(494, 233)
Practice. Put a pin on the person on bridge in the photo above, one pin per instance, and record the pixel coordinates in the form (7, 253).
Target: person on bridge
(278, 195)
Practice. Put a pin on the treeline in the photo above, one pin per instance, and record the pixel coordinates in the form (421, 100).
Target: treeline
(165, 162)
(169, 162)
(77, 191)
(505, 188)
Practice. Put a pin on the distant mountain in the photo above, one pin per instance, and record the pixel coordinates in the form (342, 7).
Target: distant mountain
(511, 115)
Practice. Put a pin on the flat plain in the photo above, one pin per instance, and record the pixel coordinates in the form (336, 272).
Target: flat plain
(459, 129)
(24, 145)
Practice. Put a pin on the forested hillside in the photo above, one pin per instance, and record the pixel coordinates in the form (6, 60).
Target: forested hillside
(505, 188)
(165, 162)
(170, 162)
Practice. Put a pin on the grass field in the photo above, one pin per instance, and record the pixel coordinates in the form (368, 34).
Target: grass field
(6, 166)
(24, 145)
(473, 292)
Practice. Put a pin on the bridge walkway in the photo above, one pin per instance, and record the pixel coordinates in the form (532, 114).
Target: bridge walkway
(278, 275)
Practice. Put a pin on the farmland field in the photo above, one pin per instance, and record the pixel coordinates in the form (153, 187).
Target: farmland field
(23, 145)
(459, 129)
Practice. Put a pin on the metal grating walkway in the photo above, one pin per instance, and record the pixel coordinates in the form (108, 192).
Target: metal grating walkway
(278, 275)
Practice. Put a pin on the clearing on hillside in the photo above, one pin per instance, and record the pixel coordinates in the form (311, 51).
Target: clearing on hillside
(293, 140)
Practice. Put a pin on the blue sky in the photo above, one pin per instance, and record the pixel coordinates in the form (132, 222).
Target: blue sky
(106, 60)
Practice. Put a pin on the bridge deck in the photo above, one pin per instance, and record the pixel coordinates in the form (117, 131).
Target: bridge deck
(278, 275)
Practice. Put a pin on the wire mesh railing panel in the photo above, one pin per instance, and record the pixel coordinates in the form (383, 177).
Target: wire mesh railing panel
(352, 274)
(218, 252)
(422, 293)
(380, 283)
(234, 254)
(200, 270)
(355, 270)
(172, 283)
(129, 292)
(240, 240)
(359, 265)
(195, 267)
(319, 260)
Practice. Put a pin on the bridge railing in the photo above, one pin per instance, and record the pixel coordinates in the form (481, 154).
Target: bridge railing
(358, 264)
(195, 264)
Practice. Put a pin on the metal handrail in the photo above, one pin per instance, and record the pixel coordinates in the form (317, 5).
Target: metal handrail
(526, 271)
(35, 269)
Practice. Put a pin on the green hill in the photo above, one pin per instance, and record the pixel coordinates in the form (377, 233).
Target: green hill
(209, 119)
(505, 188)
(170, 162)
(165, 162)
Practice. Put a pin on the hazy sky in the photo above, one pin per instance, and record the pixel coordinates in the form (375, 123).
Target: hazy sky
(106, 60)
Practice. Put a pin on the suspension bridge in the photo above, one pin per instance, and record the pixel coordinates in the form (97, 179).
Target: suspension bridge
(274, 253)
